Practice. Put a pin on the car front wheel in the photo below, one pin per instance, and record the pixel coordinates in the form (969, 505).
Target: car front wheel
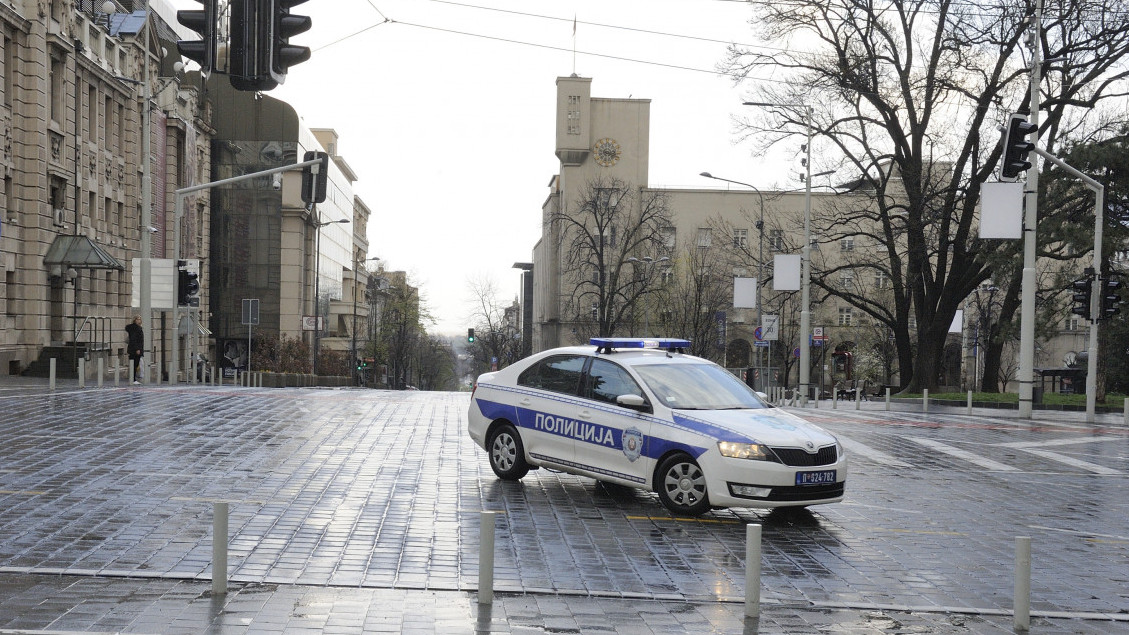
(507, 455)
(681, 485)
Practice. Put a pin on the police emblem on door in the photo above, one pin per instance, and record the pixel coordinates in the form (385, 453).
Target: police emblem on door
(632, 444)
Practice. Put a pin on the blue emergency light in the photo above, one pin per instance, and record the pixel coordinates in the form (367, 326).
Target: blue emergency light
(609, 344)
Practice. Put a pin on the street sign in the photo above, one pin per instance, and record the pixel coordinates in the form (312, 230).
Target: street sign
(251, 312)
(817, 332)
(796, 353)
(757, 333)
(761, 343)
(770, 327)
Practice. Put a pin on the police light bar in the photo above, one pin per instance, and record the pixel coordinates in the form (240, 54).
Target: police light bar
(664, 343)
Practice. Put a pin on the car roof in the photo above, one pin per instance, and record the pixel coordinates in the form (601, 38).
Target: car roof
(625, 356)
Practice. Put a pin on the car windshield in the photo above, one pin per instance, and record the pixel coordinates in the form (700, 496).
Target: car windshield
(698, 387)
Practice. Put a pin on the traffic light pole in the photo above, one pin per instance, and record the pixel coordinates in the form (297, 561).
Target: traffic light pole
(1030, 283)
(178, 214)
(1097, 289)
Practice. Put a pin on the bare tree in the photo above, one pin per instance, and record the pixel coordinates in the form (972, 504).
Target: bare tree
(611, 223)
(496, 334)
(910, 95)
(696, 301)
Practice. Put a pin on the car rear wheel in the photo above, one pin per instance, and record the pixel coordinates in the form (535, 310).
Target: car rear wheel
(681, 485)
(507, 455)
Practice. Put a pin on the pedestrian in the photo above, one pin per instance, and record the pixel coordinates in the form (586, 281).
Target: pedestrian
(136, 346)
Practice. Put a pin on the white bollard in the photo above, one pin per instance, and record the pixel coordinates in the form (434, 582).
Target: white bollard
(970, 402)
(925, 400)
(52, 374)
(752, 570)
(116, 371)
(82, 372)
(219, 547)
(1022, 600)
(101, 371)
(858, 397)
(486, 558)
(1126, 404)
(887, 398)
(815, 400)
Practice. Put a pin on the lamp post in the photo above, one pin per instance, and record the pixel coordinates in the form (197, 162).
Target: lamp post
(317, 286)
(760, 255)
(648, 266)
(356, 271)
(805, 255)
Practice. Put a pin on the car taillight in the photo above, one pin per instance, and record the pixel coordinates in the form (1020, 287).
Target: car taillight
(473, 387)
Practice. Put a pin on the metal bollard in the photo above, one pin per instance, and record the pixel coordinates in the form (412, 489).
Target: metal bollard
(82, 372)
(1126, 404)
(858, 398)
(887, 398)
(101, 371)
(486, 558)
(752, 570)
(925, 400)
(1022, 599)
(52, 374)
(970, 402)
(219, 547)
(117, 372)
(834, 398)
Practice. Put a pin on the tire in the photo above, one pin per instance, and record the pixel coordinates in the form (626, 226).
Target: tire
(507, 454)
(681, 485)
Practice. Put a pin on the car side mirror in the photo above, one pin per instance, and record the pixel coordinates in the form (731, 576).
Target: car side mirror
(635, 402)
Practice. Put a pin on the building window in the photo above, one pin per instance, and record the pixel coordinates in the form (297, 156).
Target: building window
(595, 311)
(669, 235)
(58, 90)
(10, 61)
(705, 237)
(667, 276)
(740, 238)
(881, 280)
(776, 240)
(845, 316)
(847, 244)
(92, 126)
(1073, 323)
(846, 279)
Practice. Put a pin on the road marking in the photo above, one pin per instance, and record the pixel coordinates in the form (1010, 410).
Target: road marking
(1021, 445)
(1074, 532)
(18, 492)
(878, 456)
(985, 463)
(924, 532)
(1073, 462)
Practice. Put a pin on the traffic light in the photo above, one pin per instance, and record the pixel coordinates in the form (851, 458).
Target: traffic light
(314, 185)
(187, 285)
(1083, 292)
(250, 45)
(286, 25)
(470, 336)
(1016, 146)
(202, 21)
(1110, 298)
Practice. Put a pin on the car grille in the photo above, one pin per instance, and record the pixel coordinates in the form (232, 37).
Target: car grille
(809, 493)
(796, 457)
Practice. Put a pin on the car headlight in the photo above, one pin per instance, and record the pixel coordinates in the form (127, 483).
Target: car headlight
(752, 451)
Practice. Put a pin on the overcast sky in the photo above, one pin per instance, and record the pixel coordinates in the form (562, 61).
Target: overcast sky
(445, 111)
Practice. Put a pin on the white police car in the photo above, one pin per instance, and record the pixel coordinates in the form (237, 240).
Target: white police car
(639, 412)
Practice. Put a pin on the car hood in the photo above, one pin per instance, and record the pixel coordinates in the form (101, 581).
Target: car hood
(770, 426)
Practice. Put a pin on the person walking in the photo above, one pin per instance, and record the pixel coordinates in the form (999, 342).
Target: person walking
(135, 347)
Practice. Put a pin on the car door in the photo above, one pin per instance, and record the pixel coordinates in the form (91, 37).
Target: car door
(546, 406)
(613, 445)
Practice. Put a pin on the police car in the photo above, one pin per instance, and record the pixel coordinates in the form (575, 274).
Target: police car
(640, 412)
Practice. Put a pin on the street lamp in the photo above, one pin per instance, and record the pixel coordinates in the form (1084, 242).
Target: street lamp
(760, 255)
(648, 266)
(805, 255)
(356, 271)
(317, 281)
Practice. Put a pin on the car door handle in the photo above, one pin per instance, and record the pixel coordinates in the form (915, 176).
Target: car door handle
(525, 402)
(584, 414)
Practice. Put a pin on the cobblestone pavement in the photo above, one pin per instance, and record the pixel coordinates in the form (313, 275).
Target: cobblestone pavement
(358, 511)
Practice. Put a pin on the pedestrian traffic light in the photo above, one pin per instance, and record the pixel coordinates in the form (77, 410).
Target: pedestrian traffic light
(1083, 292)
(1016, 146)
(470, 336)
(202, 21)
(1110, 298)
(286, 25)
(249, 46)
(315, 184)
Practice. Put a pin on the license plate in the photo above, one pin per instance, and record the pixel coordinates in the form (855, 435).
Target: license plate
(823, 477)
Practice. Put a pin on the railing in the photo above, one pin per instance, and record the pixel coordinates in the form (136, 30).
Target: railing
(99, 328)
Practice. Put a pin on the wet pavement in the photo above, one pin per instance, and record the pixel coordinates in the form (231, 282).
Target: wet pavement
(358, 511)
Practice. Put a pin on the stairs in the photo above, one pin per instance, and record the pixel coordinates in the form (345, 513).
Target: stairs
(66, 361)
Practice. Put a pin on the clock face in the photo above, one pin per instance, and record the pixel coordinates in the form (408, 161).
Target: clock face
(606, 152)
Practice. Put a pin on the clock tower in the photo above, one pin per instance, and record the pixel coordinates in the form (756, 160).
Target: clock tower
(574, 115)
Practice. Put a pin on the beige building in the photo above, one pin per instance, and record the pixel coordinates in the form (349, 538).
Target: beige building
(71, 115)
(737, 231)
